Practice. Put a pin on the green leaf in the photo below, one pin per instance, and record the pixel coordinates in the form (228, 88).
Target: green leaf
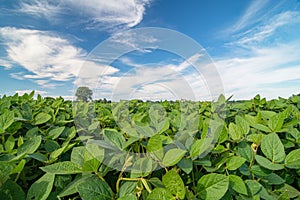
(235, 162)
(243, 124)
(30, 146)
(32, 132)
(144, 129)
(274, 179)
(5, 171)
(66, 167)
(275, 122)
(291, 191)
(57, 153)
(260, 171)
(186, 165)
(200, 147)
(264, 162)
(127, 188)
(284, 196)
(253, 187)
(19, 167)
(95, 150)
(235, 132)
(10, 143)
(142, 167)
(114, 137)
(155, 146)
(128, 197)
(84, 159)
(244, 150)
(156, 182)
(6, 119)
(237, 184)
(41, 118)
(20, 141)
(212, 186)
(273, 148)
(26, 111)
(292, 160)
(38, 156)
(55, 133)
(72, 187)
(161, 194)
(94, 188)
(262, 128)
(174, 184)
(11, 190)
(295, 133)
(41, 188)
(158, 118)
(51, 145)
(172, 157)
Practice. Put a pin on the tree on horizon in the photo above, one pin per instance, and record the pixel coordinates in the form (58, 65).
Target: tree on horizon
(84, 93)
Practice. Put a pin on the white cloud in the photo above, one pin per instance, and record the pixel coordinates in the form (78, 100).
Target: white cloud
(155, 82)
(91, 73)
(65, 97)
(96, 13)
(252, 15)
(263, 55)
(134, 40)
(268, 28)
(17, 75)
(266, 71)
(22, 92)
(47, 58)
(264, 68)
(5, 63)
(39, 8)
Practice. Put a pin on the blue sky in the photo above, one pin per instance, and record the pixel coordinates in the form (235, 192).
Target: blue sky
(51, 46)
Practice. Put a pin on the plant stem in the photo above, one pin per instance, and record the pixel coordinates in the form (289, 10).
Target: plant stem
(3, 139)
(125, 179)
(99, 176)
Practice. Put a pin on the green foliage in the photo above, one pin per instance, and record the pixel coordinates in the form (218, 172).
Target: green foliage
(174, 184)
(191, 150)
(41, 188)
(84, 93)
(212, 186)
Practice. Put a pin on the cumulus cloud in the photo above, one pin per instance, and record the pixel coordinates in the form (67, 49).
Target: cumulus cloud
(47, 58)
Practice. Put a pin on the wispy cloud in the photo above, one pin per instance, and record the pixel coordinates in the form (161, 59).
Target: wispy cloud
(5, 63)
(267, 69)
(94, 13)
(133, 40)
(268, 28)
(47, 58)
(37, 8)
(253, 14)
(155, 81)
(263, 55)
